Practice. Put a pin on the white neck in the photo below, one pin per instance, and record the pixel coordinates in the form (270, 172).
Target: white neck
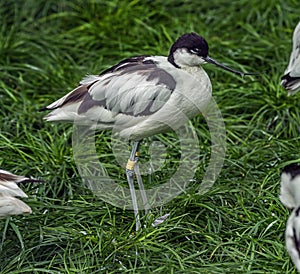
(183, 58)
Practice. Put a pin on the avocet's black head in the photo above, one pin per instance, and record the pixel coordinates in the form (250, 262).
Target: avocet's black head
(292, 169)
(191, 50)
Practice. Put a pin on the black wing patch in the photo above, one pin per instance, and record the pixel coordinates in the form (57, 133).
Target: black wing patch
(8, 177)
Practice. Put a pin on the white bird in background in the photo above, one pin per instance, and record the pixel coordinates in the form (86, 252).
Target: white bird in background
(290, 197)
(9, 190)
(291, 78)
(143, 96)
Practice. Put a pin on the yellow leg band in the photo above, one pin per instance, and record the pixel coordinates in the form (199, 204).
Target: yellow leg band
(137, 154)
(130, 165)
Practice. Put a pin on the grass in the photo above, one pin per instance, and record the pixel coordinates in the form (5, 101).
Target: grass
(236, 227)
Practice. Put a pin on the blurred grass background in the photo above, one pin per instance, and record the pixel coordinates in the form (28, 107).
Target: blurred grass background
(46, 47)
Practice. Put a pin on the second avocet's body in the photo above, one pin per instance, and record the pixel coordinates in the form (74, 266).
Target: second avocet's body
(290, 197)
(291, 78)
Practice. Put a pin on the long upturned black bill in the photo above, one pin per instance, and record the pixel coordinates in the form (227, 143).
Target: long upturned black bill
(213, 61)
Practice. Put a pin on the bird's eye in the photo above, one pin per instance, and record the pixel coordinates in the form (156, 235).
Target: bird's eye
(195, 51)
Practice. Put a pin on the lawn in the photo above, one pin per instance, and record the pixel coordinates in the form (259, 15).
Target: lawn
(237, 226)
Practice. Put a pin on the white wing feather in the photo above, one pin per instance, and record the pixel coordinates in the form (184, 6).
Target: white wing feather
(9, 205)
(12, 206)
(130, 93)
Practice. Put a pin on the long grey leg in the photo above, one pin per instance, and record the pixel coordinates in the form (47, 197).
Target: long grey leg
(141, 185)
(130, 178)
